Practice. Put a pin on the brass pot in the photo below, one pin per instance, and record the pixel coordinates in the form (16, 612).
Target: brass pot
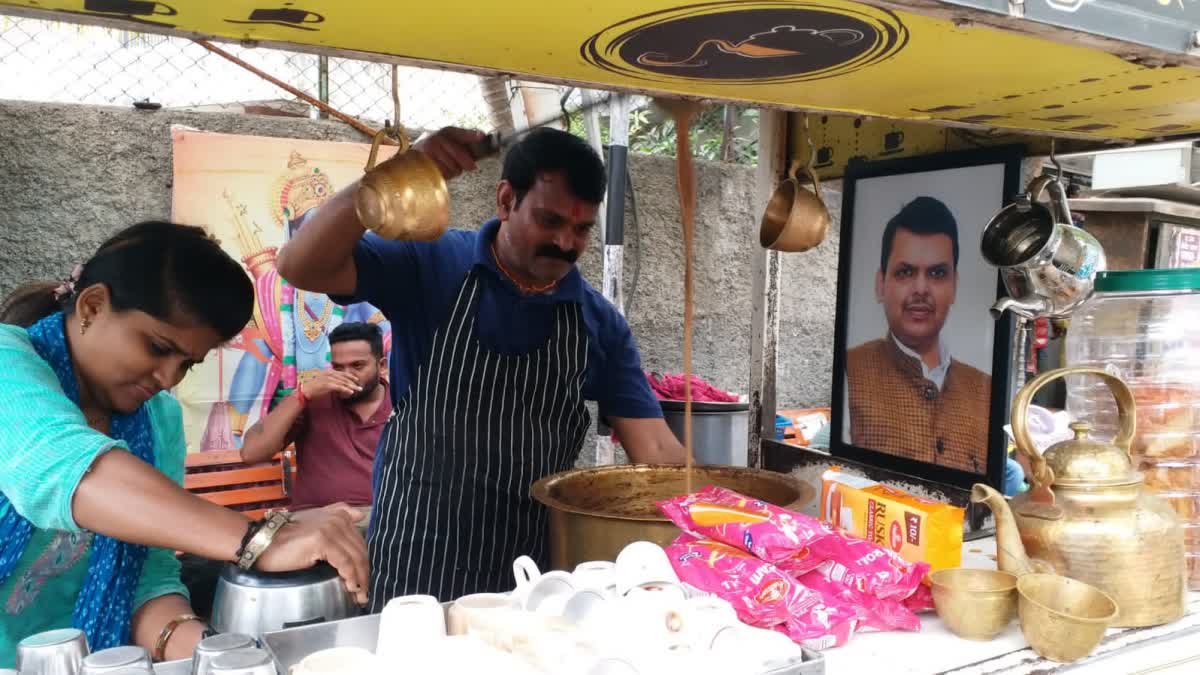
(596, 512)
(1089, 517)
(404, 197)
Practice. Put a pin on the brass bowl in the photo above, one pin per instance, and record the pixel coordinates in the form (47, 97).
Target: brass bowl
(976, 604)
(596, 512)
(1063, 619)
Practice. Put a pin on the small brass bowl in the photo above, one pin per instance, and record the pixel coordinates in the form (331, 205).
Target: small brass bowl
(976, 604)
(1063, 619)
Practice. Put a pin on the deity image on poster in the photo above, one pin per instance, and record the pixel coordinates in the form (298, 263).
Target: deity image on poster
(232, 185)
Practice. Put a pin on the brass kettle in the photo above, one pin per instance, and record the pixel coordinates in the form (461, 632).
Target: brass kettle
(1087, 516)
(404, 197)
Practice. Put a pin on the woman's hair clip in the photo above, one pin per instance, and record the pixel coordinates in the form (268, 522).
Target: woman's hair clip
(66, 288)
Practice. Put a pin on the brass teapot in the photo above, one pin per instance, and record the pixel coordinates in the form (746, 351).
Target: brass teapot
(404, 197)
(1087, 516)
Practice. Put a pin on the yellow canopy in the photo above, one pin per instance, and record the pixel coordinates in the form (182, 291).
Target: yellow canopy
(830, 55)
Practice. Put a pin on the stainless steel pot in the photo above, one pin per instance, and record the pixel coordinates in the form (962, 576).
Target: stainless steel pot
(253, 603)
(720, 431)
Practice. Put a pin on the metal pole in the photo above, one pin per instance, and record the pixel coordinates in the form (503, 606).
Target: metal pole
(765, 273)
(605, 450)
(323, 84)
(728, 119)
(614, 221)
(591, 125)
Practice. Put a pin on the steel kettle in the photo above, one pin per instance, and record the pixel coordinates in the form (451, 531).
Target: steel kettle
(1047, 263)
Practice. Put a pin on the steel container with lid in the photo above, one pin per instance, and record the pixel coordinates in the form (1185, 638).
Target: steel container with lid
(1144, 327)
(253, 603)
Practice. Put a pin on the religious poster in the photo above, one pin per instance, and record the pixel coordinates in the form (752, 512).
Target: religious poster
(253, 194)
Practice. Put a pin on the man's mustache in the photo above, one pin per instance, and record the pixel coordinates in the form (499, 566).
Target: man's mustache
(552, 251)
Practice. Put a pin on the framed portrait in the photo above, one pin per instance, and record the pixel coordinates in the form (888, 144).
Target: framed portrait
(920, 372)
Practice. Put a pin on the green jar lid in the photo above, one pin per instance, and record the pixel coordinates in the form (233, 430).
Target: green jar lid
(1126, 281)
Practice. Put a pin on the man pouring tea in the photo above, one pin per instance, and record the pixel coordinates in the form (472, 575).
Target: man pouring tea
(497, 343)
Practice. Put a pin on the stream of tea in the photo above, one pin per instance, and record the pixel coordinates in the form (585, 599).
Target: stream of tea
(686, 178)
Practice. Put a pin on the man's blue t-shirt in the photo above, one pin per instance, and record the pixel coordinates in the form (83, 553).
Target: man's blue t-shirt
(415, 284)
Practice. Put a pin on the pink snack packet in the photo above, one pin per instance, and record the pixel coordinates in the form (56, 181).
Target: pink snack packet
(867, 569)
(875, 614)
(797, 543)
(762, 595)
(770, 532)
(921, 600)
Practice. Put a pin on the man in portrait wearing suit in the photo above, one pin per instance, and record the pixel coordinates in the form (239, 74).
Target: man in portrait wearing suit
(905, 394)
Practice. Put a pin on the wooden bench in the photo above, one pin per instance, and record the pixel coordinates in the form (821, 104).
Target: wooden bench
(222, 477)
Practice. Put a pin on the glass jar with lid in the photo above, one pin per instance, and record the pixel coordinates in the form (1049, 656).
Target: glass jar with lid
(1144, 326)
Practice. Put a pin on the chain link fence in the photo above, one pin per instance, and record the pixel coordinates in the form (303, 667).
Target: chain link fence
(69, 63)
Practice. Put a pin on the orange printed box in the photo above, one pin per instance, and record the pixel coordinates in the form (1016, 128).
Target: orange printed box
(916, 528)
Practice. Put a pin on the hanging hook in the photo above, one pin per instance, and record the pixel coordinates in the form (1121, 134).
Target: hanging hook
(396, 96)
(812, 147)
(1054, 160)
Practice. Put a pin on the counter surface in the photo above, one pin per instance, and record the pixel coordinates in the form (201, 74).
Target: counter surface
(937, 651)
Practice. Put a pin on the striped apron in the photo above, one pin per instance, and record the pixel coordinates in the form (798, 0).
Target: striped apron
(476, 429)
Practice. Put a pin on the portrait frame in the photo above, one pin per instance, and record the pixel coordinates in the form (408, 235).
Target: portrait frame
(997, 174)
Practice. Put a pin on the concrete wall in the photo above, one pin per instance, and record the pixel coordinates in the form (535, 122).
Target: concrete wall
(72, 175)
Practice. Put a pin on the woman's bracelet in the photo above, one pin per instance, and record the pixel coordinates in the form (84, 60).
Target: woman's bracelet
(160, 645)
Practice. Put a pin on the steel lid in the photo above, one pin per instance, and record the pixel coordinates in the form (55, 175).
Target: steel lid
(316, 574)
(706, 406)
(116, 657)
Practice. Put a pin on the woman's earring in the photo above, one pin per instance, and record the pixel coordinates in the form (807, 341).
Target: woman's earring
(84, 324)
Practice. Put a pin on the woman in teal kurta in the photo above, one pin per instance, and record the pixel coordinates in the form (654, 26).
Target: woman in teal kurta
(92, 448)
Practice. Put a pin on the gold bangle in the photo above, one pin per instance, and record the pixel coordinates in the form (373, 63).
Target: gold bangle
(164, 636)
(262, 539)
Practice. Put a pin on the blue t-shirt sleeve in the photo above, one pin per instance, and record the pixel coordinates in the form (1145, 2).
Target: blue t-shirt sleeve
(623, 389)
(386, 269)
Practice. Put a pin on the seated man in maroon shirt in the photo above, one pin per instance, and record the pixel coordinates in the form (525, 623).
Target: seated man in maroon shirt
(335, 420)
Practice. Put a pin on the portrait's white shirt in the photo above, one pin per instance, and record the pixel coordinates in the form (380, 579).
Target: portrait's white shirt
(936, 375)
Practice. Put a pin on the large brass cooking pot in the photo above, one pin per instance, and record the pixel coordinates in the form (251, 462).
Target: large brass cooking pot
(596, 512)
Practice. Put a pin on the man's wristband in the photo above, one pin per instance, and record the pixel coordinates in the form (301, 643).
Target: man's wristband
(261, 534)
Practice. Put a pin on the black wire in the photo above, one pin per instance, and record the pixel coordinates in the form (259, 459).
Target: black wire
(562, 105)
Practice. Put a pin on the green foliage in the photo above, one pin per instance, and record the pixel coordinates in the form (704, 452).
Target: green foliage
(652, 132)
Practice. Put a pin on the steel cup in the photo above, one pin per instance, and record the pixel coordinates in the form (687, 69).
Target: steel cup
(249, 661)
(55, 652)
(210, 647)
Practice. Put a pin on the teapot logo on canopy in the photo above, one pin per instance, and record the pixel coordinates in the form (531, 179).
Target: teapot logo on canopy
(748, 42)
